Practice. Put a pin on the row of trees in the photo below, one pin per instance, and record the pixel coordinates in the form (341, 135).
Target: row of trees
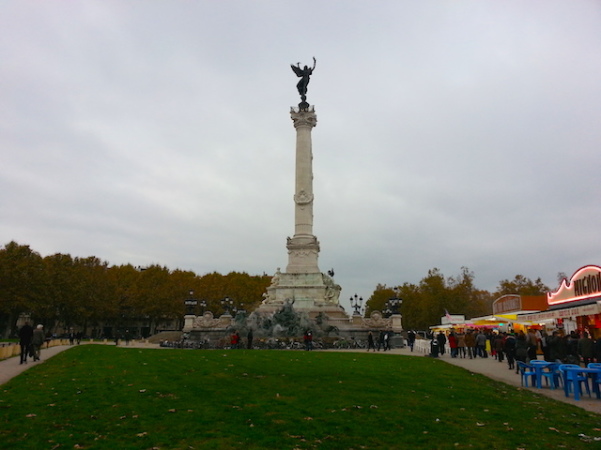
(425, 303)
(66, 290)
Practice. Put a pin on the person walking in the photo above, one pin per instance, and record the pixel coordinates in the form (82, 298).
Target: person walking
(308, 338)
(481, 345)
(521, 349)
(461, 345)
(410, 339)
(532, 344)
(25, 336)
(453, 344)
(370, 341)
(442, 340)
(387, 334)
(553, 343)
(509, 349)
(37, 341)
(234, 340)
(586, 348)
(498, 344)
(249, 339)
(470, 343)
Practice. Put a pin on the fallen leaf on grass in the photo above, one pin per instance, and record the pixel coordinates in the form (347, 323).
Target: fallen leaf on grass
(142, 434)
(308, 418)
(478, 424)
(31, 415)
(172, 410)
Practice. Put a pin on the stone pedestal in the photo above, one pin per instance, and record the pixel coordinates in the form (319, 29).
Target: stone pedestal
(312, 293)
(188, 322)
(397, 323)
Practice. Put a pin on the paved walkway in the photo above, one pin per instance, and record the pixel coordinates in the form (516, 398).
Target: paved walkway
(489, 367)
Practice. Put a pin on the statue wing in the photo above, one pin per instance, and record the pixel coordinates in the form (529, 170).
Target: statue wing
(297, 70)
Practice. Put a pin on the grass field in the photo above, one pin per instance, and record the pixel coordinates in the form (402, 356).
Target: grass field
(95, 396)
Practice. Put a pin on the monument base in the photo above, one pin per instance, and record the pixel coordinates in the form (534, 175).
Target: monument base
(311, 293)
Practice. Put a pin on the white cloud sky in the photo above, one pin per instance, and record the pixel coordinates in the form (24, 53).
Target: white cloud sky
(449, 134)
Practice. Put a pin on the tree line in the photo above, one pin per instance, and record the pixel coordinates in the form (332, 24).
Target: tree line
(425, 303)
(85, 292)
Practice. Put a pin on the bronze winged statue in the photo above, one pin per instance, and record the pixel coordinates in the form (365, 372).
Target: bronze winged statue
(304, 74)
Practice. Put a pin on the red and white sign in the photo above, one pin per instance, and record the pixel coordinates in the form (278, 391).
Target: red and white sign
(567, 313)
(585, 283)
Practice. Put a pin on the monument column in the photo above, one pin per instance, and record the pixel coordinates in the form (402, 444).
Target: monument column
(303, 247)
(302, 284)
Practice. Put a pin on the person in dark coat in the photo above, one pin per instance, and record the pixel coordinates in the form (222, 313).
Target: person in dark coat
(553, 343)
(411, 339)
(442, 340)
(25, 336)
(521, 349)
(249, 339)
(509, 348)
(381, 340)
(370, 341)
(498, 344)
(586, 348)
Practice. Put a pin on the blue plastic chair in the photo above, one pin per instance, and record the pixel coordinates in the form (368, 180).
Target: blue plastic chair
(552, 375)
(569, 378)
(526, 371)
(545, 370)
(596, 380)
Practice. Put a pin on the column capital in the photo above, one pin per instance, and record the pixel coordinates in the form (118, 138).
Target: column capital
(303, 118)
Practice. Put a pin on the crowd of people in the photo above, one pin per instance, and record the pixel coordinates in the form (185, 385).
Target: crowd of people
(573, 348)
(382, 342)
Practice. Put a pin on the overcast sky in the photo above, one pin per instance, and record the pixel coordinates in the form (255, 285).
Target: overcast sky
(450, 134)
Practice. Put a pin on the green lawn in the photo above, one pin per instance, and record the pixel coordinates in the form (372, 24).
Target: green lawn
(95, 396)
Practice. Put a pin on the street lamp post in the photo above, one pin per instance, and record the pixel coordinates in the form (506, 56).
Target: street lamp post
(393, 304)
(356, 303)
(190, 303)
(227, 303)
